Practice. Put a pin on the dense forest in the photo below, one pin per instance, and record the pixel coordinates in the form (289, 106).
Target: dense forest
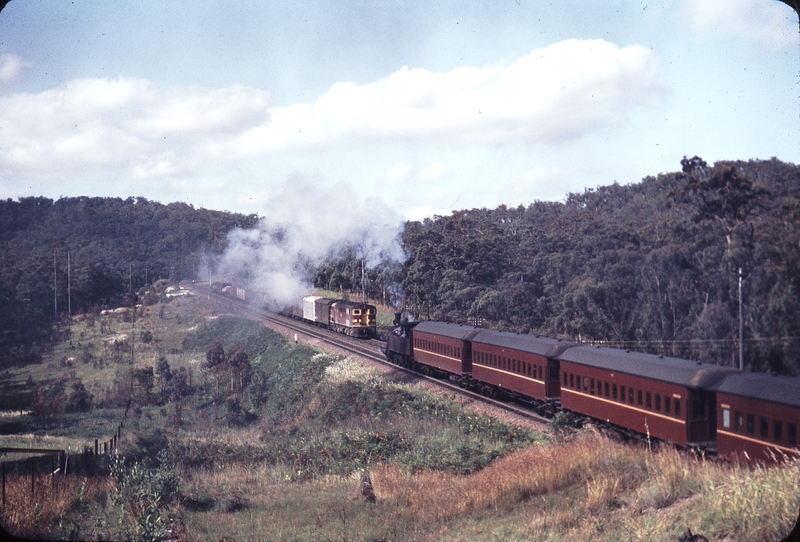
(652, 266)
(105, 248)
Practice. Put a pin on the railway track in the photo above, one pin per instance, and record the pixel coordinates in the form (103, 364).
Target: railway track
(368, 349)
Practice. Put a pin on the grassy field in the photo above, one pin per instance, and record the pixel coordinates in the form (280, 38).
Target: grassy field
(275, 443)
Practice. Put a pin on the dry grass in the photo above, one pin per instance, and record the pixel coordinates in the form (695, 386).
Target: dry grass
(595, 489)
(534, 471)
(27, 514)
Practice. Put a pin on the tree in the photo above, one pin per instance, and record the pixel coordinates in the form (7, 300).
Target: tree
(239, 365)
(163, 371)
(144, 380)
(79, 399)
(215, 355)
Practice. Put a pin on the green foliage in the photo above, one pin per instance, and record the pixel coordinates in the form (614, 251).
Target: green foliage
(651, 266)
(113, 245)
(317, 424)
(79, 399)
(144, 493)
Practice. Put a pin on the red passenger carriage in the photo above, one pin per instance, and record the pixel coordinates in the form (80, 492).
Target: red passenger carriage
(444, 347)
(520, 364)
(758, 416)
(667, 398)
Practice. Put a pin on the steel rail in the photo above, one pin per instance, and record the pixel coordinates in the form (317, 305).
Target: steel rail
(359, 348)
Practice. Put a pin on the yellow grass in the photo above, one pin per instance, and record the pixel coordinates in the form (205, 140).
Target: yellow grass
(29, 514)
(521, 475)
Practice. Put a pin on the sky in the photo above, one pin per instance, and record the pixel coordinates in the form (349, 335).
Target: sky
(398, 108)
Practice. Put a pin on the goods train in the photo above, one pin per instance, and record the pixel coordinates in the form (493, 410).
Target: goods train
(748, 416)
(347, 317)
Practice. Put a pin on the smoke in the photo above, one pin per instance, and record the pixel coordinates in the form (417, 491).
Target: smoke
(303, 226)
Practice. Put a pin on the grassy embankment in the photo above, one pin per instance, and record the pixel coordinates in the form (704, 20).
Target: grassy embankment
(277, 452)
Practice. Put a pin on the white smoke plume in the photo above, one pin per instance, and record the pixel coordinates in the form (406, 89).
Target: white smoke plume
(303, 226)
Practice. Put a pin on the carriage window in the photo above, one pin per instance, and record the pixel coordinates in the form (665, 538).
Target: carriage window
(540, 372)
(726, 418)
(777, 433)
(658, 402)
(571, 380)
(606, 388)
(630, 395)
(791, 434)
(622, 393)
(648, 400)
(667, 404)
(585, 382)
(764, 428)
(639, 397)
(751, 423)
(591, 385)
(566, 379)
(614, 391)
(678, 408)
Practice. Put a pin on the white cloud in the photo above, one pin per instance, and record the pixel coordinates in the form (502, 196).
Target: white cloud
(398, 173)
(772, 23)
(433, 172)
(562, 91)
(143, 130)
(128, 125)
(10, 67)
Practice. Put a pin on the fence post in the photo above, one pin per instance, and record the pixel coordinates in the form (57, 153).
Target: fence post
(95, 447)
(105, 448)
(33, 459)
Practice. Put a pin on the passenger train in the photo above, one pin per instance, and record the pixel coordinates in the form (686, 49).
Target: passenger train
(748, 416)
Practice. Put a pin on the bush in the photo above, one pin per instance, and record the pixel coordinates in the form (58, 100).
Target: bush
(79, 399)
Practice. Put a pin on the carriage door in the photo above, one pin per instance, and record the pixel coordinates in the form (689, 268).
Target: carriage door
(702, 416)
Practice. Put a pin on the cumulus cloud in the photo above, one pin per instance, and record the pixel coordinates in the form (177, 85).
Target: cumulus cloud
(10, 67)
(399, 173)
(773, 24)
(130, 125)
(559, 92)
(433, 172)
(144, 130)
(305, 224)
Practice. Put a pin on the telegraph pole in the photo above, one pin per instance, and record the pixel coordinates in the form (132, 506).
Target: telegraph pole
(741, 325)
(69, 286)
(55, 287)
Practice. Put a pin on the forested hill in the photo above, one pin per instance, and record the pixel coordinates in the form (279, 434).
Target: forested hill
(651, 266)
(112, 244)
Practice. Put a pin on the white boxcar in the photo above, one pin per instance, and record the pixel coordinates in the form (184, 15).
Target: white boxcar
(310, 308)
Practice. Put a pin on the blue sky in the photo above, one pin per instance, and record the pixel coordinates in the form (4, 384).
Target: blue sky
(409, 108)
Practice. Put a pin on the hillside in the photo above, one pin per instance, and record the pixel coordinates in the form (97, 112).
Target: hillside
(651, 266)
(111, 247)
(231, 431)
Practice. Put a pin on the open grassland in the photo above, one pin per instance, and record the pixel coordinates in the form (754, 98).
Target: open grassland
(277, 448)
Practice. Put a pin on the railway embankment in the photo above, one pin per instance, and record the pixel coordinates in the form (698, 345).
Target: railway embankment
(235, 430)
